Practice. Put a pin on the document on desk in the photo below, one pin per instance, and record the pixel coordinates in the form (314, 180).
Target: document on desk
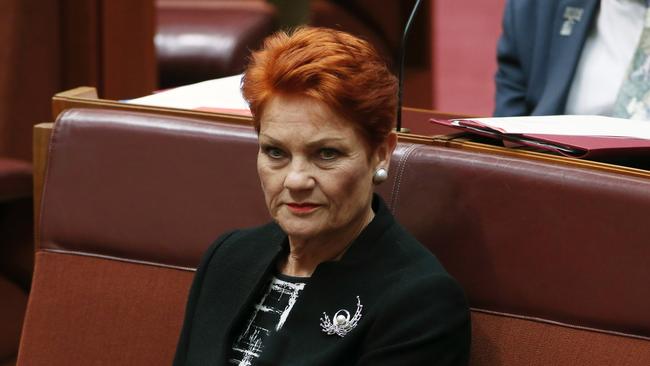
(221, 95)
(571, 135)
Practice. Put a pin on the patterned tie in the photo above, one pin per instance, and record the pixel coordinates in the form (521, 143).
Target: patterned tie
(633, 100)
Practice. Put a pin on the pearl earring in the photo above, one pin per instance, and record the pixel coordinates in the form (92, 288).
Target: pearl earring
(380, 176)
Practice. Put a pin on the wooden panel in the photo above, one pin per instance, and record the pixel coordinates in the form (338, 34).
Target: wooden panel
(29, 70)
(53, 45)
(109, 45)
(128, 52)
(42, 134)
(81, 44)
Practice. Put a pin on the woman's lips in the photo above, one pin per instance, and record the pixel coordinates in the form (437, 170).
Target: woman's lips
(302, 208)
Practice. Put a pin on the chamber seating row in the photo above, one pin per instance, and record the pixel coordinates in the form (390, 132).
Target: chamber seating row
(553, 258)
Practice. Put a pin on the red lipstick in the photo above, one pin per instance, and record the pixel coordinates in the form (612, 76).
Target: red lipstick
(301, 208)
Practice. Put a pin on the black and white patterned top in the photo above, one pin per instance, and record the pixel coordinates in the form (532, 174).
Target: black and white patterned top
(267, 316)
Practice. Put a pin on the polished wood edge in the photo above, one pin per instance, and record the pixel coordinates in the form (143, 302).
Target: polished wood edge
(438, 114)
(85, 92)
(41, 146)
(84, 97)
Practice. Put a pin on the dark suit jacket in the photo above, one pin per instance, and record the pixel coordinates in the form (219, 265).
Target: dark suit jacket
(536, 63)
(413, 312)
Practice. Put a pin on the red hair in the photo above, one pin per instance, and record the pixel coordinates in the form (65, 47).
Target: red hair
(334, 67)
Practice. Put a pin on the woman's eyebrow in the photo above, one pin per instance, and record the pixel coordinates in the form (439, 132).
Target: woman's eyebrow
(324, 141)
(268, 139)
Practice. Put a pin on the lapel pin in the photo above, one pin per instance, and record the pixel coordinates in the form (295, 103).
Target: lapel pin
(342, 323)
(572, 15)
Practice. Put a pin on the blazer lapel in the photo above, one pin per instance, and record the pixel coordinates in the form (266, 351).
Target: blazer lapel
(249, 268)
(564, 54)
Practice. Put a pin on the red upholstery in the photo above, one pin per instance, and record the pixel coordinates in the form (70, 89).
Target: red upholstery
(96, 311)
(199, 40)
(499, 340)
(553, 258)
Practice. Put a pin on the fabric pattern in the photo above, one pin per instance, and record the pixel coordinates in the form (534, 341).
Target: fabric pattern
(268, 316)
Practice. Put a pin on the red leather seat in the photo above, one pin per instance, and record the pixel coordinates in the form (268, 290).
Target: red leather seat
(197, 41)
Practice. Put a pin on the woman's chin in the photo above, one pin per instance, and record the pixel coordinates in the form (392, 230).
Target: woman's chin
(300, 229)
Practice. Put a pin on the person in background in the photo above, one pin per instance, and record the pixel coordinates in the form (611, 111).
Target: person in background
(574, 57)
(333, 279)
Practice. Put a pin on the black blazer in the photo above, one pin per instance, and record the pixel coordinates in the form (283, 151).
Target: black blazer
(413, 312)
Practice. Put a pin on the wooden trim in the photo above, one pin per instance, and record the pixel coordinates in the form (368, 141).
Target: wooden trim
(41, 140)
(83, 97)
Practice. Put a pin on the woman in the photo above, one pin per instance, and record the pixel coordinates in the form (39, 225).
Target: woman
(333, 280)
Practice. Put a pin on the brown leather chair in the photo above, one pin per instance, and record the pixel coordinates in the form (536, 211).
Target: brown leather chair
(552, 257)
(202, 40)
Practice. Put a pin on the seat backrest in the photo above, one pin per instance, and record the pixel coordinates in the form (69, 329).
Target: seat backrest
(552, 257)
(199, 40)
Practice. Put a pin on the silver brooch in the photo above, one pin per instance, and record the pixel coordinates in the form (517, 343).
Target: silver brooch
(343, 324)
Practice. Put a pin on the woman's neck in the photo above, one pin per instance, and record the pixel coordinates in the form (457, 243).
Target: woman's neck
(305, 254)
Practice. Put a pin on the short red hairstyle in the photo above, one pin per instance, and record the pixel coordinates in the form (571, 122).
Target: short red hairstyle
(334, 67)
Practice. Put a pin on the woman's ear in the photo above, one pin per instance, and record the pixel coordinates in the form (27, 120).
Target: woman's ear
(385, 151)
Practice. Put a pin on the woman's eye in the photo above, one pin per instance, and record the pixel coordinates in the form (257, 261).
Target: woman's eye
(328, 154)
(274, 152)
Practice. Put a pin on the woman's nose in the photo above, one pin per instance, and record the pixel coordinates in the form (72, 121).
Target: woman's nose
(299, 176)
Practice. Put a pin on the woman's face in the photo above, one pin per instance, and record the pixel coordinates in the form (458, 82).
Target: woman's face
(315, 169)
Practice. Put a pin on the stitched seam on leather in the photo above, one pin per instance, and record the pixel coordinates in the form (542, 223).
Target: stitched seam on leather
(565, 325)
(398, 179)
(118, 259)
